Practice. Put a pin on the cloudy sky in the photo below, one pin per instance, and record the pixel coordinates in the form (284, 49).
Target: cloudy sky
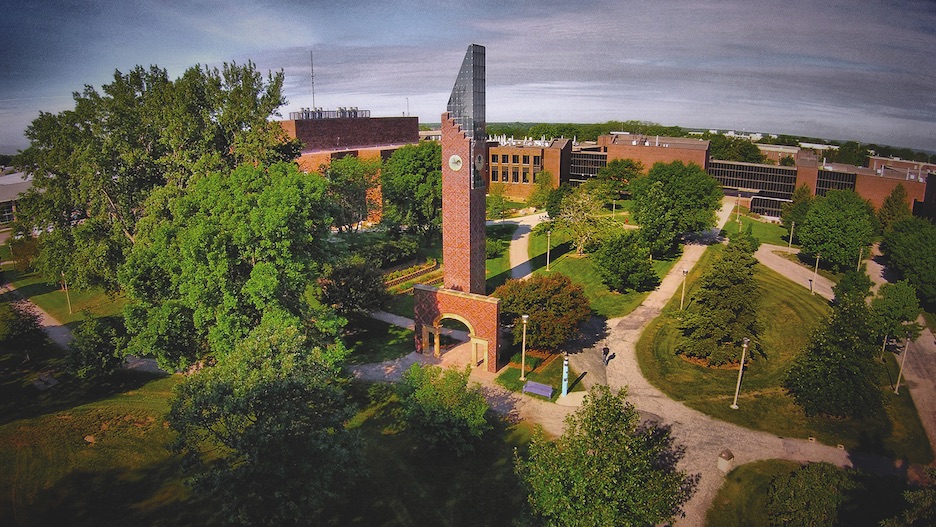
(841, 69)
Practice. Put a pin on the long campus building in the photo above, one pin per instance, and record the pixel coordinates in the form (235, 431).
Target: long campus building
(517, 164)
(764, 187)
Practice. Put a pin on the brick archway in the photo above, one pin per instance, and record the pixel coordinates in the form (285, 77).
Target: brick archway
(478, 312)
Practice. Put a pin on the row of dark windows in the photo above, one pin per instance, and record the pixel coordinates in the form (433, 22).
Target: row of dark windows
(515, 159)
(829, 180)
(586, 165)
(770, 181)
(766, 207)
(511, 176)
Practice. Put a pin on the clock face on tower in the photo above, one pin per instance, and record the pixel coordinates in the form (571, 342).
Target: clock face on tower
(455, 162)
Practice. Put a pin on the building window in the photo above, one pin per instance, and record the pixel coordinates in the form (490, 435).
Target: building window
(494, 175)
(526, 175)
(526, 160)
(493, 158)
(516, 159)
(504, 158)
(6, 212)
(537, 160)
(516, 176)
(504, 176)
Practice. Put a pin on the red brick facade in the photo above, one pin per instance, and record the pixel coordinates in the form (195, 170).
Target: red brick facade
(463, 208)
(350, 133)
(480, 313)
(516, 166)
(650, 150)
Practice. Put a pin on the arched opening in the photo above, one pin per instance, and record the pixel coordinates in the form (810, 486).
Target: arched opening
(450, 329)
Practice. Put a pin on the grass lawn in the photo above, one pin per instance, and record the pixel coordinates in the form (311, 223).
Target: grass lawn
(409, 483)
(772, 233)
(51, 298)
(374, 341)
(787, 316)
(497, 270)
(53, 476)
(742, 499)
(550, 374)
(810, 263)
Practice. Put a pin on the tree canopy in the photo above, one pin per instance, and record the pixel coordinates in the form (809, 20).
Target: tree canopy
(810, 496)
(263, 431)
(729, 148)
(794, 212)
(556, 306)
(688, 191)
(94, 166)
(411, 183)
(581, 214)
(215, 258)
(837, 227)
(623, 263)
(910, 248)
(606, 469)
(352, 190)
(896, 207)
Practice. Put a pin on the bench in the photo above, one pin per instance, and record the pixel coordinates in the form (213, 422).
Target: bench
(538, 388)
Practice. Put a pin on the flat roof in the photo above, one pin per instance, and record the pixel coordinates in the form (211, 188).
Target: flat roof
(12, 185)
(623, 138)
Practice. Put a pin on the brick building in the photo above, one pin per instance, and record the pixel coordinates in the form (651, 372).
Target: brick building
(517, 164)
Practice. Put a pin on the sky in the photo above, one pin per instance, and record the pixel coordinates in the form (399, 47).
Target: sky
(840, 69)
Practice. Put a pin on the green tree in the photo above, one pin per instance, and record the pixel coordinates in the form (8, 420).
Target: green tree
(94, 166)
(613, 180)
(910, 248)
(837, 227)
(794, 212)
(810, 496)
(263, 433)
(787, 161)
(351, 190)
(836, 374)
(895, 208)
(623, 263)
(556, 306)
(726, 309)
(543, 186)
(498, 207)
(555, 199)
(851, 153)
(658, 222)
(688, 191)
(733, 148)
(95, 350)
(213, 259)
(442, 408)
(19, 324)
(354, 287)
(411, 183)
(606, 469)
(920, 508)
(581, 215)
(895, 310)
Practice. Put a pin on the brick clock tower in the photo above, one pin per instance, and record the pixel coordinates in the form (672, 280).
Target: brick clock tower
(464, 161)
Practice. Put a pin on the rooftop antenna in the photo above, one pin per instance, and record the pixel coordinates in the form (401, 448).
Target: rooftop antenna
(312, 71)
(407, 106)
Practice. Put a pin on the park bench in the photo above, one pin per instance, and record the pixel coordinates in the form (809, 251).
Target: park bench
(538, 388)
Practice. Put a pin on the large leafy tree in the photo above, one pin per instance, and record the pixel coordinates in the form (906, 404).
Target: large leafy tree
(352, 190)
(263, 430)
(623, 263)
(688, 191)
(810, 496)
(613, 180)
(837, 227)
(213, 259)
(920, 508)
(556, 306)
(543, 184)
(442, 408)
(726, 309)
(729, 148)
(581, 214)
(658, 223)
(895, 310)
(794, 212)
(94, 166)
(896, 207)
(910, 247)
(836, 374)
(606, 469)
(354, 286)
(411, 182)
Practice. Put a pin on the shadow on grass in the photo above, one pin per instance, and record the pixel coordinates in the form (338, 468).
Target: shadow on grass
(151, 495)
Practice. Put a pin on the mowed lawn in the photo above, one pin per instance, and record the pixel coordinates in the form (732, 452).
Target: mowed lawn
(787, 316)
(52, 298)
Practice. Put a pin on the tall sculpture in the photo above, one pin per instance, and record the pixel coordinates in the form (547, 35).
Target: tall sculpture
(464, 158)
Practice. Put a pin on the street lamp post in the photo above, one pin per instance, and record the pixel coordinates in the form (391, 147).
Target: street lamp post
(523, 349)
(548, 245)
(860, 251)
(734, 405)
(738, 209)
(789, 246)
(67, 297)
(682, 297)
(815, 271)
(902, 361)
